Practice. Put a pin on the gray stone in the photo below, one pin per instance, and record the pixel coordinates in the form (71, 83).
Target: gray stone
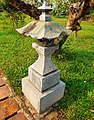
(42, 29)
(44, 63)
(45, 17)
(42, 101)
(42, 87)
(43, 83)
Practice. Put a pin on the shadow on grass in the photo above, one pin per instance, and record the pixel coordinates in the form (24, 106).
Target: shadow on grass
(80, 55)
(76, 90)
(77, 71)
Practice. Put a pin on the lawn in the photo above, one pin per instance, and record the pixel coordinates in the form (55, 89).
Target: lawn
(76, 63)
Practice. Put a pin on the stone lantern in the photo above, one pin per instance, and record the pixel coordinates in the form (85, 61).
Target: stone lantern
(43, 86)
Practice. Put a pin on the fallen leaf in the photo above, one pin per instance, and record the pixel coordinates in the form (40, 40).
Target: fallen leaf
(91, 110)
(92, 81)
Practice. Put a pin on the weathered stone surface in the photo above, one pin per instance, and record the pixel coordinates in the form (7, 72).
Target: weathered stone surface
(42, 101)
(1, 82)
(42, 29)
(44, 63)
(4, 92)
(45, 16)
(8, 107)
(43, 83)
(19, 116)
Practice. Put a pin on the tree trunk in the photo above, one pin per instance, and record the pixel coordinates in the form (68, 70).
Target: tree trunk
(77, 11)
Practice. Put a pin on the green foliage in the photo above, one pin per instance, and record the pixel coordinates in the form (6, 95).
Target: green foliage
(12, 13)
(74, 1)
(62, 7)
(92, 14)
(59, 12)
(76, 63)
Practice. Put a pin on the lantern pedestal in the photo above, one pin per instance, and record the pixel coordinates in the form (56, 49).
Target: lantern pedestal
(43, 87)
(42, 101)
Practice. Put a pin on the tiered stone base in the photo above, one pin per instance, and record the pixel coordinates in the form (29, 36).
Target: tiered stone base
(41, 101)
(43, 87)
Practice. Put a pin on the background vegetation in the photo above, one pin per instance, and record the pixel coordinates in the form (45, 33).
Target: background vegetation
(76, 62)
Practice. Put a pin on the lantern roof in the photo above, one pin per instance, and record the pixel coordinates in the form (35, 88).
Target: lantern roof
(44, 28)
(41, 29)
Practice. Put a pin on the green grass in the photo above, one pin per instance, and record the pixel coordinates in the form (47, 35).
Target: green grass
(76, 63)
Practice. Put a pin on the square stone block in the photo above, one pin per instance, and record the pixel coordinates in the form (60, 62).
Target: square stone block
(43, 83)
(41, 101)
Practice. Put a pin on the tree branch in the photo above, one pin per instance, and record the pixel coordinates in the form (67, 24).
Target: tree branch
(77, 11)
(26, 8)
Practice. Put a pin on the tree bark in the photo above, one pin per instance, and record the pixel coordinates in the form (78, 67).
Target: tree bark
(26, 8)
(77, 11)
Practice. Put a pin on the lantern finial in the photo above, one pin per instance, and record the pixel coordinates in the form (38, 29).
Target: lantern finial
(45, 16)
